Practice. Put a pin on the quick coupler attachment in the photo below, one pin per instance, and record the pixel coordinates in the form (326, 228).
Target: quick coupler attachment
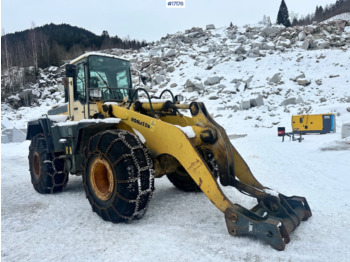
(271, 220)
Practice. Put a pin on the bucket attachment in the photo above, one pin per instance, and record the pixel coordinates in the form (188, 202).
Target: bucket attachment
(274, 217)
(271, 220)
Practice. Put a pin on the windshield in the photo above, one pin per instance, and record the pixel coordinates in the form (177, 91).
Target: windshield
(111, 76)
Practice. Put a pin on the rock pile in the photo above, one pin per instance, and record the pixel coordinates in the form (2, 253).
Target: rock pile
(210, 64)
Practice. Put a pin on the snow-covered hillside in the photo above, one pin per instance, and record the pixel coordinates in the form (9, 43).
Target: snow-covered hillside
(345, 16)
(305, 68)
(295, 70)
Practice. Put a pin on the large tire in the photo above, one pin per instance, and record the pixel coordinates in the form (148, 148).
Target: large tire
(183, 181)
(47, 170)
(118, 176)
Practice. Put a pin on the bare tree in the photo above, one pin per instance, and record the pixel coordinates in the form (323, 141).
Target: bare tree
(34, 45)
(6, 52)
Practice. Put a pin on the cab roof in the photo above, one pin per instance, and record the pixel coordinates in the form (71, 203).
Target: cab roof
(94, 54)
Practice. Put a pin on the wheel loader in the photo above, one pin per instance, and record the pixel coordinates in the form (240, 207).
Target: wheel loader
(119, 143)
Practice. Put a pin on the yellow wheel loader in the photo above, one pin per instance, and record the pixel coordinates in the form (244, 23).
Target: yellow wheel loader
(120, 143)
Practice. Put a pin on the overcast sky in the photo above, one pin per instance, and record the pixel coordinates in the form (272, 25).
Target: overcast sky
(143, 19)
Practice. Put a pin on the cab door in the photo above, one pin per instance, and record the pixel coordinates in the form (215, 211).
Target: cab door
(78, 106)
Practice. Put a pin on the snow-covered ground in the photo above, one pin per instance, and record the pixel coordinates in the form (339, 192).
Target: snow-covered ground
(182, 226)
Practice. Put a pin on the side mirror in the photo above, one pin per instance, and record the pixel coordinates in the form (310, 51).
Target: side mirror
(70, 70)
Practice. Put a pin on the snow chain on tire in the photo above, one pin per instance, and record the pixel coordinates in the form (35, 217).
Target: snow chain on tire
(47, 170)
(118, 175)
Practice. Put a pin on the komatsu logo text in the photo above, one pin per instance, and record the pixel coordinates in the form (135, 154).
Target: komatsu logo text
(139, 122)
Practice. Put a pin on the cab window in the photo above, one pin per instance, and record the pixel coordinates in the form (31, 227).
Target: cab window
(111, 76)
(79, 87)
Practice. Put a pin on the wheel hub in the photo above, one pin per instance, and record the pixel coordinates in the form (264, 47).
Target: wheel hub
(101, 178)
(36, 165)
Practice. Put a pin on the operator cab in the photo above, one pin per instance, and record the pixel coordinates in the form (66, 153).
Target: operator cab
(105, 77)
(97, 77)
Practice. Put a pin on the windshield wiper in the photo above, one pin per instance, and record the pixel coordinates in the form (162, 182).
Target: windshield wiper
(104, 81)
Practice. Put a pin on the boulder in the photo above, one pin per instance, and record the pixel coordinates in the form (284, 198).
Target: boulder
(305, 45)
(18, 135)
(240, 58)
(6, 123)
(271, 31)
(276, 79)
(6, 135)
(284, 42)
(245, 105)
(254, 52)
(240, 86)
(159, 79)
(189, 83)
(318, 82)
(295, 79)
(210, 27)
(302, 36)
(258, 101)
(53, 69)
(60, 88)
(240, 50)
(345, 130)
(241, 39)
(211, 61)
(145, 64)
(199, 86)
(170, 53)
(303, 82)
(170, 69)
(322, 44)
(212, 81)
(5, 139)
(289, 101)
(155, 52)
(26, 97)
(268, 46)
(213, 97)
(299, 100)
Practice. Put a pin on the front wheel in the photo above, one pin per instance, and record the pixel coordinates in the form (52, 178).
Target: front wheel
(118, 176)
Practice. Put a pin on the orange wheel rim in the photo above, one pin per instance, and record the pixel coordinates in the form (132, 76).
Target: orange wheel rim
(101, 178)
(36, 165)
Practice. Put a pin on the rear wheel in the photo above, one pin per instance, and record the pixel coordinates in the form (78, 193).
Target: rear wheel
(183, 181)
(46, 169)
(118, 176)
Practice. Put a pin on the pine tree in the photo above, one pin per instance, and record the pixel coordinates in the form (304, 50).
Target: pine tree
(319, 13)
(283, 15)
